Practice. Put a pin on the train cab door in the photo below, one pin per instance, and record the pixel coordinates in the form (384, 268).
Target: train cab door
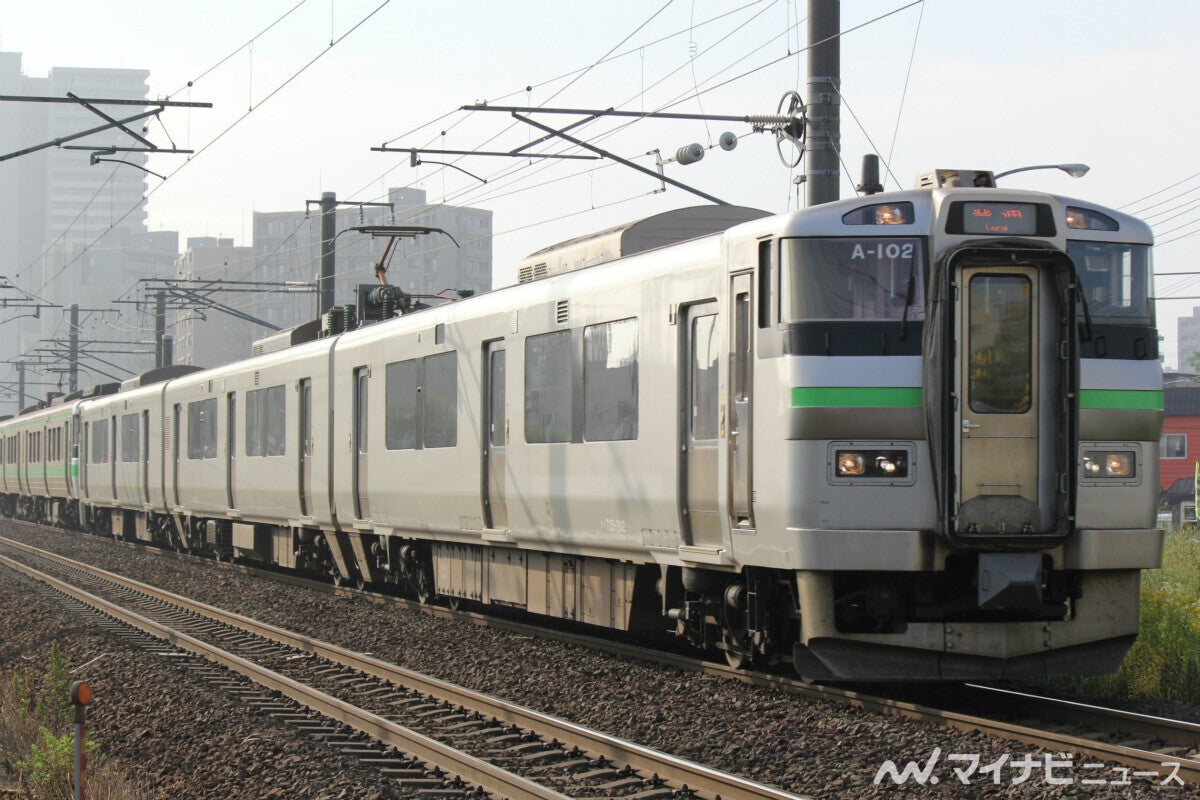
(741, 372)
(231, 449)
(700, 426)
(495, 509)
(306, 446)
(361, 438)
(1006, 354)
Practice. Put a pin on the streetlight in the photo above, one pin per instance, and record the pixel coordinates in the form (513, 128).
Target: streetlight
(1074, 170)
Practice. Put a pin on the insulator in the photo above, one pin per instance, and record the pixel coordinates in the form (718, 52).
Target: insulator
(728, 140)
(766, 120)
(690, 153)
(350, 317)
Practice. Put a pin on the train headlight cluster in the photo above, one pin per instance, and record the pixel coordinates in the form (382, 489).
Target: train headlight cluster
(1112, 464)
(872, 463)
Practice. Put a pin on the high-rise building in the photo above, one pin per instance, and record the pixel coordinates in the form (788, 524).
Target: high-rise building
(287, 249)
(71, 231)
(1189, 341)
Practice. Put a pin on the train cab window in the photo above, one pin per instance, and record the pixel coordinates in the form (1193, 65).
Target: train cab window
(202, 429)
(548, 401)
(852, 278)
(400, 401)
(266, 422)
(1116, 280)
(129, 437)
(610, 381)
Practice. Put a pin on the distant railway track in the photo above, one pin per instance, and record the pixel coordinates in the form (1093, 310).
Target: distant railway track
(1137, 741)
(507, 750)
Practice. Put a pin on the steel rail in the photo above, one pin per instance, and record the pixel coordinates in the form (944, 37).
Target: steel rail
(1142, 759)
(596, 744)
(490, 777)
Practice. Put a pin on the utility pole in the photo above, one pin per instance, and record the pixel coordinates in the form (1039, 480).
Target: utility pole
(824, 136)
(328, 204)
(20, 385)
(73, 349)
(160, 328)
(328, 226)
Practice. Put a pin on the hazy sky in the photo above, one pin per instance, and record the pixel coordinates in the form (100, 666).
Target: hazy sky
(992, 85)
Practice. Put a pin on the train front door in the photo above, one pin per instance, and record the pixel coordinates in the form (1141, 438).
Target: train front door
(1006, 349)
(495, 509)
(700, 426)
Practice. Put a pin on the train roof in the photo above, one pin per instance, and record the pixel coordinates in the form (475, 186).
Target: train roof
(660, 230)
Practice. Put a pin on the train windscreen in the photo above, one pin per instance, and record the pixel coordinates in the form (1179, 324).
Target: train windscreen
(1116, 279)
(854, 278)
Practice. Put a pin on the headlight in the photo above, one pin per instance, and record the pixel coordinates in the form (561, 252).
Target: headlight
(872, 463)
(850, 463)
(1114, 464)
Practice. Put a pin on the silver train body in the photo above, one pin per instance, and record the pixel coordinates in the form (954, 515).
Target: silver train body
(907, 436)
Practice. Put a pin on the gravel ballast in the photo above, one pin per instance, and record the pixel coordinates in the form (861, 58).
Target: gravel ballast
(193, 742)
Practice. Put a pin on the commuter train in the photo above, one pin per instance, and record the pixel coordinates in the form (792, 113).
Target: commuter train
(910, 435)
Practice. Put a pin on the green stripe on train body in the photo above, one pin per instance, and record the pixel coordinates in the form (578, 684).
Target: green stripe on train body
(856, 397)
(1134, 400)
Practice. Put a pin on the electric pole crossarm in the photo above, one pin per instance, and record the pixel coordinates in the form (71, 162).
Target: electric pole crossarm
(517, 152)
(623, 161)
(611, 112)
(57, 142)
(111, 121)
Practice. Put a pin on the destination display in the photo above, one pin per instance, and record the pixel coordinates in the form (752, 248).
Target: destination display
(1011, 219)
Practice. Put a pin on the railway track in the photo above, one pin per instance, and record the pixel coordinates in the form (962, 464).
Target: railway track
(426, 734)
(1138, 743)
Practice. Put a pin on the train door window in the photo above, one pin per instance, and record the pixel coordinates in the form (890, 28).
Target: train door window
(439, 399)
(496, 398)
(99, 443)
(610, 381)
(361, 379)
(306, 437)
(705, 383)
(548, 401)
(1000, 344)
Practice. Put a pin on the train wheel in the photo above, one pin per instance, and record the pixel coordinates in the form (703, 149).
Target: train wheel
(454, 603)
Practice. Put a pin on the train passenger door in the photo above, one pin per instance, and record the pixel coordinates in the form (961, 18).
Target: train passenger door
(361, 438)
(741, 372)
(306, 442)
(701, 425)
(231, 448)
(999, 387)
(495, 509)
(112, 453)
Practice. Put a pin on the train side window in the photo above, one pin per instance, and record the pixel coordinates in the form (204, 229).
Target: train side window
(266, 421)
(129, 438)
(548, 402)
(610, 381)
(202, 429)
(766, 262)
(439, 397)
(99, 444)
(400, 405)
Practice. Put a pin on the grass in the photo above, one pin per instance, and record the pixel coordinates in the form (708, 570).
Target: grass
(1164, 663)
(37, 743)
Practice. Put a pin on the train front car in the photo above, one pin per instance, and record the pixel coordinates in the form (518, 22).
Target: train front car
(972, 406)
